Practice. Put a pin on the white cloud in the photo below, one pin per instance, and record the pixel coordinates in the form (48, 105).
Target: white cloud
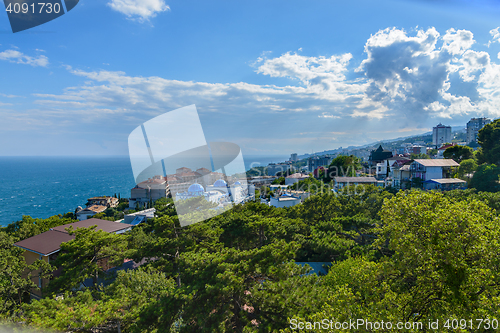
(457, 42)
(495, 34)
(20, 58)
(406, 80)
(141, 10)
(328, 115)
(309, 70)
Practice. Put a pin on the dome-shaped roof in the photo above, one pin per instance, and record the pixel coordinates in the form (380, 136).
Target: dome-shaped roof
(237, 183)
(220, 183)
(195, 188)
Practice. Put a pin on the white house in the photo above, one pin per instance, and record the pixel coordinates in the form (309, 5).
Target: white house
(427, 169)
(89, 212)
(286, 200)
(295, 178)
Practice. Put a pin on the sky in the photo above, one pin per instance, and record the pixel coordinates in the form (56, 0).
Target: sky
(274, 77)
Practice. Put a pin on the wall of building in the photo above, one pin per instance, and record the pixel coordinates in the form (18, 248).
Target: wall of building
(433, 173)
(30, 258)
(284, 203)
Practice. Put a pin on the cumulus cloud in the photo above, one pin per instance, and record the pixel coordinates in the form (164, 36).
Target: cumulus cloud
(309, 70)
(457, 42)
(404, 80)
(20, 58)
(416, 76)
(495, 36)
(428, 75)
(142, 10)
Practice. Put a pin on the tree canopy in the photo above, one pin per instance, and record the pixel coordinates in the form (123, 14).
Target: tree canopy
(489, 139)
(459, 153)
(412, 256)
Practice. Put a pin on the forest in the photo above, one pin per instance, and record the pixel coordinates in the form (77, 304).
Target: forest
(410, 256)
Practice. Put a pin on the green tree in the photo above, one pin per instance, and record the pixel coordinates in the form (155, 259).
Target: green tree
(419, 156)
(486, 178)
(443, 254)
(459, 153)
(29, 227)
(15, 275)
(432, 152)
(83, 257)
(467, 167)
(311, 185)
(489, 139)
(417, 182)
(343, 166)
(279, 181)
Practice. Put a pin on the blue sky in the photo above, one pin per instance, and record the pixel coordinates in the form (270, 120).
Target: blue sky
(275, 77)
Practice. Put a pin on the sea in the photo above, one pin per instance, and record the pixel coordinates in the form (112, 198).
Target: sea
(41, 187)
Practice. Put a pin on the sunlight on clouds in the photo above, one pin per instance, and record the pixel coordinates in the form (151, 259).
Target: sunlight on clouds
(142, 10)
(456, 42)
(309, 70)
(405, 79)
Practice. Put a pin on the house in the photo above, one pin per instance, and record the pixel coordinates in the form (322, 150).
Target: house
(295, 178)
(379, 155)
(89, 212)
(139, 217)
(417, 149)
(440, 153)
(47, 245)
(445, 184)
(149, 190)
(275, 187)
(286, 200)
(427, 169)
(108, 202)
(347, 181)
(302, 195)
(401, 176)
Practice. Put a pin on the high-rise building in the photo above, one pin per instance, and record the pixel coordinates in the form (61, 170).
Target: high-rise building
(473, 127)
(294, 157)
(441, 134)
(318, 161)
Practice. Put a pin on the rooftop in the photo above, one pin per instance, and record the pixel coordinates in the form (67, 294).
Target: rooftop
(45, 243)
(95, 209)
(447, 181)
(355, 179)
(298, 175)
(437, 162)
(107, 226)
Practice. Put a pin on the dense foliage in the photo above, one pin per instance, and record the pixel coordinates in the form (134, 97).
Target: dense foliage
(412, 256)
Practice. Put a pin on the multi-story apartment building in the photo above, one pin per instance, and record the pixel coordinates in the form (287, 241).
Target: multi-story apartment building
(473, 127)
(318, 161)
(274, 168)
(149, 190)
(441, 134)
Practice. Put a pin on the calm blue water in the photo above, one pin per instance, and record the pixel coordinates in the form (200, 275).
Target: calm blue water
(45, 186)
